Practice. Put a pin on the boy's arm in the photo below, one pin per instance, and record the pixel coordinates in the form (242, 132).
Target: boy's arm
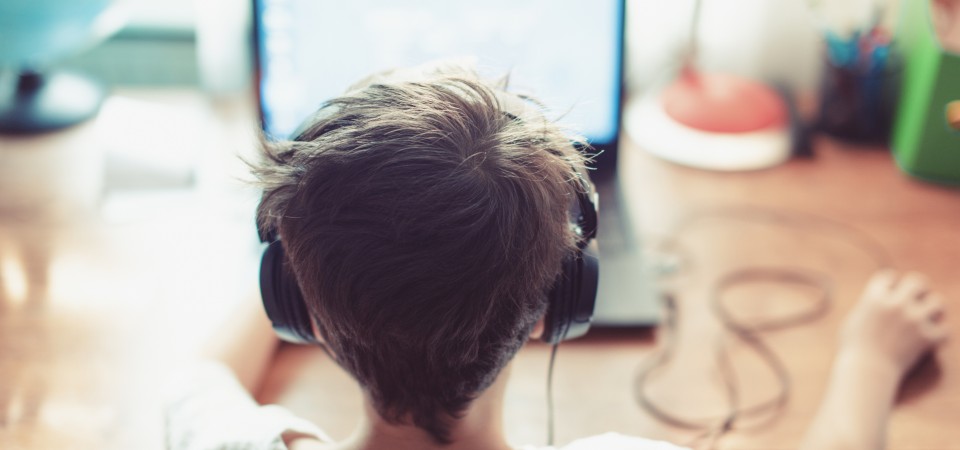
(245, 343)
(893, 325)
(855, 408)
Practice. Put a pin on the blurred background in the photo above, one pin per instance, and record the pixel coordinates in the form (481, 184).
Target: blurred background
(127, 232)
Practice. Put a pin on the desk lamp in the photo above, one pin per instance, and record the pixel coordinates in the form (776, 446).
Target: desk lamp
(712, 121)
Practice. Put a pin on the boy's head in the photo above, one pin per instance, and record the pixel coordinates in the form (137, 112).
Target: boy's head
(425, 221)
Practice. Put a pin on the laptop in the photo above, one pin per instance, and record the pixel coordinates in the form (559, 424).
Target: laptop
(569, 54)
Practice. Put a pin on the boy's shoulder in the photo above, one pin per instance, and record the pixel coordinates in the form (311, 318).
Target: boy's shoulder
(613, 441)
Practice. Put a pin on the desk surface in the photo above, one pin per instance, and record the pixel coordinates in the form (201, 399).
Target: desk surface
(98, 304)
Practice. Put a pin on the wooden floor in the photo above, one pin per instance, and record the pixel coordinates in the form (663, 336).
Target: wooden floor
(112, 272)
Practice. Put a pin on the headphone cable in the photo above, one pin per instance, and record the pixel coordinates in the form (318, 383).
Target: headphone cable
(550, 409)
(768, 409)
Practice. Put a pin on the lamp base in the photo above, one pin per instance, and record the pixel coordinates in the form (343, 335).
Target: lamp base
(655, 131)
(714, 122)
(36, 103)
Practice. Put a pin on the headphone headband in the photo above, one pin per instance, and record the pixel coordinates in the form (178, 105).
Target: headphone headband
(571, 300)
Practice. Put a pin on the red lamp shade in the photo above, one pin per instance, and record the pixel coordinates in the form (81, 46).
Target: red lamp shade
(723, 103)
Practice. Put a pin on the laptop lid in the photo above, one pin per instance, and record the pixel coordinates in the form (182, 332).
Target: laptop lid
(568, 54)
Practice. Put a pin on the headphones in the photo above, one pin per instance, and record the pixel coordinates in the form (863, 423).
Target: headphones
(570, 303)
(573, 296)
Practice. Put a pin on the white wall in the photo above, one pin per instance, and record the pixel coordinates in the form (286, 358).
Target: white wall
(768, 39)
(774, 40)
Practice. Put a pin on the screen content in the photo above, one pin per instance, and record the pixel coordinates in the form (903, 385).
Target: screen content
(565, 53)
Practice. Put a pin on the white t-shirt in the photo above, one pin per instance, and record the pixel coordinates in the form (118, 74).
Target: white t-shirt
(208, 409)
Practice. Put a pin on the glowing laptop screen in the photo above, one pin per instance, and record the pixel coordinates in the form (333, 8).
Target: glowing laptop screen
(565, 53)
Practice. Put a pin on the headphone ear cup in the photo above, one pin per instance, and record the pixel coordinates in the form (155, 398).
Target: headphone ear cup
(572, 299)
(555, 321)
(282, 298)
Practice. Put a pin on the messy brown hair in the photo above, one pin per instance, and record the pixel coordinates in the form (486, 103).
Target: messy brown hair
(425, 221)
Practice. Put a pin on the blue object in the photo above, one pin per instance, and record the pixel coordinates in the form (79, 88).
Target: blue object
(843, 52)
(34, 34)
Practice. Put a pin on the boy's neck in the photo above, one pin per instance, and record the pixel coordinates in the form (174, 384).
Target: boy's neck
(480, 428)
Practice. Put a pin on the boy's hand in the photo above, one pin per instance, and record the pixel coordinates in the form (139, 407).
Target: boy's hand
(897, 320)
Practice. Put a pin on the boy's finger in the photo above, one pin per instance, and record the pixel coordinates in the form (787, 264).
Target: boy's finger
(931, 308)
(913, 286)
(881, 282)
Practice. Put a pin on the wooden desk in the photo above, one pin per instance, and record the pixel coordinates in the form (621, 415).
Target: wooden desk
(917, 223)
(97, 306)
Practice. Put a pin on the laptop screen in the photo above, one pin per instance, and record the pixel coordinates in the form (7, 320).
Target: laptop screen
(568, 53)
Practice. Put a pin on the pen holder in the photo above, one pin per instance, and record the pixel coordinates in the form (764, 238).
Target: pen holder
(857, 101)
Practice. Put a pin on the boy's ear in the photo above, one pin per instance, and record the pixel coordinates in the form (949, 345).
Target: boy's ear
(538, 329)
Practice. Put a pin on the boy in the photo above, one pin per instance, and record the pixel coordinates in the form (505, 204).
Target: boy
(425, 217)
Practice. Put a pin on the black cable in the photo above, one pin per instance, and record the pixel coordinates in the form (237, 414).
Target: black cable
(713, 428)
(550, 422)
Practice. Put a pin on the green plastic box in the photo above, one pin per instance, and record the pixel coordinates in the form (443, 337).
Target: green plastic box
(926, 131)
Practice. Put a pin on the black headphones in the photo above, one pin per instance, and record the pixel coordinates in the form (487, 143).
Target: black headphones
(570, 302)
(573, 296)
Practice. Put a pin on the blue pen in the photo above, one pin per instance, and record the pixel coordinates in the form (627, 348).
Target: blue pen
(843, 52)
(878, 59)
